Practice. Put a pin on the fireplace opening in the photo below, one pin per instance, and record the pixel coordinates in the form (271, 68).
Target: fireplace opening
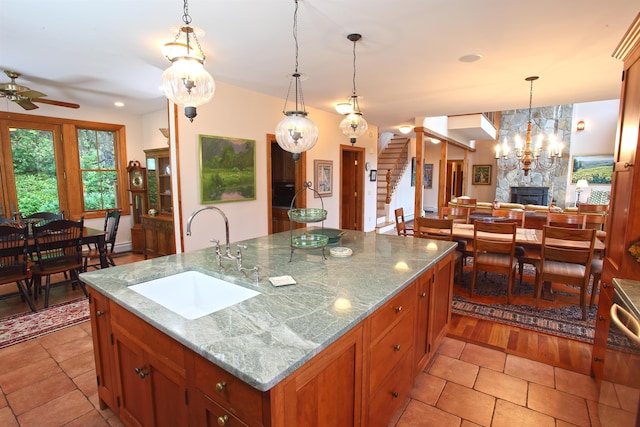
(530, 195)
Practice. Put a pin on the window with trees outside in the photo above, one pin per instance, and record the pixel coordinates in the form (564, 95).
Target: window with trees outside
(60, 165)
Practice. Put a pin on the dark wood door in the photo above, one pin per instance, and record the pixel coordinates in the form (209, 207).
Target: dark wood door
(352, 188)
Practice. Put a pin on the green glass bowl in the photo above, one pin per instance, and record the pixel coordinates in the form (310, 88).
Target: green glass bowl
(309, 241)
(307, 214)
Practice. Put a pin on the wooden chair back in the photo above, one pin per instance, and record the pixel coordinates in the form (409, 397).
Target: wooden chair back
(401, 225)
(456, 213)
(469, 203)
(596, 215)
(433, 228)
(111, 222)
(494, 246)
(566, 220)
(593, 208)
(565, 257)
(510, 214)
(14, 258)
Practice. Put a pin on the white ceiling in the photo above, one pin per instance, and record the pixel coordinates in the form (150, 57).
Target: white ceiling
(100, 51)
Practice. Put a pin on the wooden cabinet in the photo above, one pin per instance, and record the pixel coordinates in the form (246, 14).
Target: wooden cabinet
(623, 220)
(362, 378)
(157, 236)
(603, 320)
(280, 219)
(150, 369)
(101, 333)
(435, 293)
(159, 180)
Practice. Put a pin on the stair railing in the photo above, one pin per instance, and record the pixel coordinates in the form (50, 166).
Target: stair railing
(400, 162)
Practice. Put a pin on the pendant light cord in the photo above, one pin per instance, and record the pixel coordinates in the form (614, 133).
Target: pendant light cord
(296, 75)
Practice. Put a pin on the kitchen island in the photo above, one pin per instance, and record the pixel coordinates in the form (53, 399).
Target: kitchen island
(341, 346)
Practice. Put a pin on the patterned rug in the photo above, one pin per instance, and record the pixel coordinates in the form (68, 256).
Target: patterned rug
(25, 326)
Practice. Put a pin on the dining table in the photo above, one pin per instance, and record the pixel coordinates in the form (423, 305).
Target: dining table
(89, 236)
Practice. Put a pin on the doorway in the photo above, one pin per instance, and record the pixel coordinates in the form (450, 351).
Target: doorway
(455, 178)
(285, 177)
(352, 188)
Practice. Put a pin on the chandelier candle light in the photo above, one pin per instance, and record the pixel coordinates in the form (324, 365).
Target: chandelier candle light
(296, 133)
(186, 82)
(529, 157)
(353, 125)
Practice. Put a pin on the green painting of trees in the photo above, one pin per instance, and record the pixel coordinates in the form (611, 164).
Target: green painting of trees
(227, 169)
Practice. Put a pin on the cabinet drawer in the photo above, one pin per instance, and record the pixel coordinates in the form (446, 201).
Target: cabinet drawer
(390, 395)
(238, 397)
(212, 414)
(390, 313)
(386, 354)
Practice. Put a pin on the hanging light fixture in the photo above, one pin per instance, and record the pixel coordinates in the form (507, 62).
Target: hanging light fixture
(186, 82)
(529, 157)
(353, 125)
(296, 133)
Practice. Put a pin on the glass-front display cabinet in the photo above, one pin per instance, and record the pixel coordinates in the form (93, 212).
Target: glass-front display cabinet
(159, 178)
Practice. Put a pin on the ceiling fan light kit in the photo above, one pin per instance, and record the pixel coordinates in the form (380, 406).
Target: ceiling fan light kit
(25, 97)
(353, 125)
(186, 82)
(296, 133)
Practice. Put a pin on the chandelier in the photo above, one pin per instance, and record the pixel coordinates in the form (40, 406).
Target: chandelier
(353, 125)
(296, 133)
(526, 156)
(186, 82)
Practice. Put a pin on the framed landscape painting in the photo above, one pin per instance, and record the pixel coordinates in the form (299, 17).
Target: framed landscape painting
(323, 172)
(596, 169)
(427, 178)
(481, 174)
(227, 169)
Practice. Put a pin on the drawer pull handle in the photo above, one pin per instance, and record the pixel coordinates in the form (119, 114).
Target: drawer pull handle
(600, 317)
(398, 309)
(99, 313)
(394, 394)
(396, 347)
(604, 285)
(597, 359)
(223, 420)
(221, 385)
(141, 372)
(423, 294)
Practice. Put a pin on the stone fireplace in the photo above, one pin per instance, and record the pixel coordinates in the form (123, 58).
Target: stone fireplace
(530, 195)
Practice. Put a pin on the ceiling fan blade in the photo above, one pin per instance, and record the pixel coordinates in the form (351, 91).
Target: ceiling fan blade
(26, 104)
(31, 94)
(53, 102)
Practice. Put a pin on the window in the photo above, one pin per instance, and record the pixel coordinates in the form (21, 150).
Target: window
(52, 164)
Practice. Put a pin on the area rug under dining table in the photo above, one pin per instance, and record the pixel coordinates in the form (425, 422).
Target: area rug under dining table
(21, 327)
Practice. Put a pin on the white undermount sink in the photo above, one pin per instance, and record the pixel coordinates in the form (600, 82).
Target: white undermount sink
(192, 294)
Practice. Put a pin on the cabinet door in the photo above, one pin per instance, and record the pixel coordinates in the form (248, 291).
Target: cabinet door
(423, 349)
(134, 388)
(101, 332)
(327, 390)
(168, 393)
(441, 296)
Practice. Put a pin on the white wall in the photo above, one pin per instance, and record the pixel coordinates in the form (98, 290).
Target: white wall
(240, 113)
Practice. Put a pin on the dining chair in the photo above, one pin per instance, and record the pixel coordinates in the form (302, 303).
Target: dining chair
(59, 250)
(456, 213)
(440, 229)
(563, 263)
(401, 225)
(467, 202)
(510, 215)
(494, 246)
(14, 260)
(92, 251)
(523, 255)
(566, 220)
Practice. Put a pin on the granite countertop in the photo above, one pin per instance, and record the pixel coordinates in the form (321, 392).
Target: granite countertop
(265, 338)
(629, 292)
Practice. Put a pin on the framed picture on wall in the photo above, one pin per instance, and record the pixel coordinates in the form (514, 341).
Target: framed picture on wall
(596, 169)
(323, 173)
(481, 175)
(413, 171)
(427, 179)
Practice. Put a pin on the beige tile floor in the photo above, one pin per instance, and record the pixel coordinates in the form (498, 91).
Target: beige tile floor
(50, 381)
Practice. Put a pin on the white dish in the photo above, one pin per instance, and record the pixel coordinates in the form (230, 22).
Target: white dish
(282, 280)
(340, 252)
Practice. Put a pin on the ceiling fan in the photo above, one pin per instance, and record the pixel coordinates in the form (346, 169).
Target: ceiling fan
(25, 97)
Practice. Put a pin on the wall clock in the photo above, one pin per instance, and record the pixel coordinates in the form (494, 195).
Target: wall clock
(137, 178)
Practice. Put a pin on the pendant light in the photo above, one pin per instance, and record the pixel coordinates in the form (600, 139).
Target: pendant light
(186, 82)
(353, 125)
(296, 133)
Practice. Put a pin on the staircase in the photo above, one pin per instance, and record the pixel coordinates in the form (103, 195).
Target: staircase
(392, 163)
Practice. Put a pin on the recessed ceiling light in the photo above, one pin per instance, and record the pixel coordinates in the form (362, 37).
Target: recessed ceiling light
(119, 104)
(472, 57)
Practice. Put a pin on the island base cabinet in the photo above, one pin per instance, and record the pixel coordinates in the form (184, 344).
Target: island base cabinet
(101, 333)
(210, 414)
(152, 386)
(391, 393)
